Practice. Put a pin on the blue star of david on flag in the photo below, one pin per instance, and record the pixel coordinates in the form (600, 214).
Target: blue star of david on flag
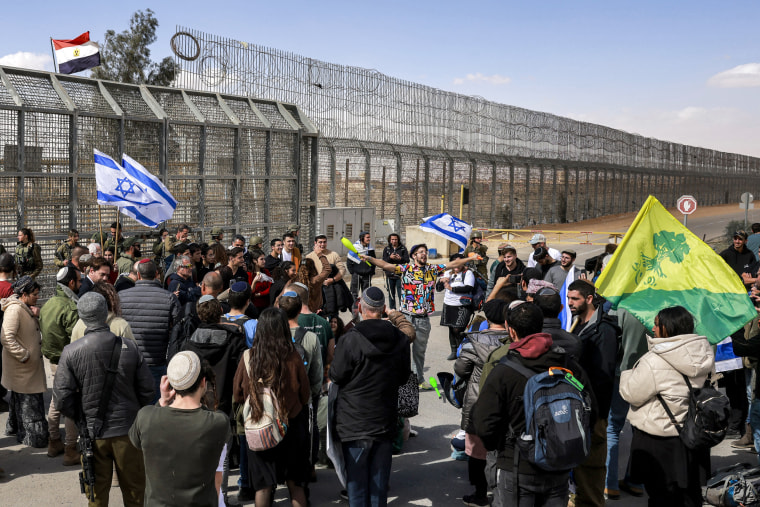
(449, 227)
(125, 191)
(133, 189)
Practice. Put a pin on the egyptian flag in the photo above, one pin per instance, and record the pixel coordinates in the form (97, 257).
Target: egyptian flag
(76, 55)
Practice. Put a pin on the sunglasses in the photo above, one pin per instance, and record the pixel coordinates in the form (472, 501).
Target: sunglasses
(187, 265)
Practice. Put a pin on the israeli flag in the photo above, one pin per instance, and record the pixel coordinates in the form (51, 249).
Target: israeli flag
(449, 227)
(133, 189)
(565, 316)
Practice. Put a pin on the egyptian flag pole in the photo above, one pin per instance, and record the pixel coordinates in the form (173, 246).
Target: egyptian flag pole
(76, 55)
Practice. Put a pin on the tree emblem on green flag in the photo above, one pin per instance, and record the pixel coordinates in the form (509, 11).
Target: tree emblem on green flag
(670, 246)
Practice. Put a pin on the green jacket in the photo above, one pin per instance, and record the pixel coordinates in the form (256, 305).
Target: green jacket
(481, 265)
(124, 263)
(57, 319)
(28, 259)
(118, 247)
(63, 253)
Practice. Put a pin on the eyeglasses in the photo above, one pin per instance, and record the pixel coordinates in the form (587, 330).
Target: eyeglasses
(187, 266)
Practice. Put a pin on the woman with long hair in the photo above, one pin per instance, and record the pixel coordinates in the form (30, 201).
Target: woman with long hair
(284, 273)
(677, 359)
(262, 281)
(28, 254)
(23, 371)
(274, 362)
(220, 255)
(338, 327)
(115, 322)
(313, 279)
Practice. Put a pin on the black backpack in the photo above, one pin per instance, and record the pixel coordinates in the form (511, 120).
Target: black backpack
(707, 417)
(298, 342)
(182, 331)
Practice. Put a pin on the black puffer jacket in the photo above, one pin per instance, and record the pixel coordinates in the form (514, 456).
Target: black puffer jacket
(221, 345)
(371, 362)
(81, 375)
(151, 312)
(468, 367)
(600, 340)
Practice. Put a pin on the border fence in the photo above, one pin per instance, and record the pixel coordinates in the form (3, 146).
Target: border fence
(400, 146)
(245, 164)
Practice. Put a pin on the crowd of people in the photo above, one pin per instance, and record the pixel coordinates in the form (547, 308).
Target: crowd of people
(191, 342)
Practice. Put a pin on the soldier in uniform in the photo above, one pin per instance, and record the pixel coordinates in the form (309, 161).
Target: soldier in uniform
(63, 252)
(476, 245)
(217, 236)
(116, 240)
(28, 254)
(129, 255)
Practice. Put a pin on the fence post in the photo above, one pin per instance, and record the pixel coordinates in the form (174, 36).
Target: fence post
(73, 170)
(201, 180)
(20, 203)
(237, 190)
(527, 195)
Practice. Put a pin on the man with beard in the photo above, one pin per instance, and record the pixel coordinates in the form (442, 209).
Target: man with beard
(598, 333)
(129, 255)
(557, 274)
(544, 260)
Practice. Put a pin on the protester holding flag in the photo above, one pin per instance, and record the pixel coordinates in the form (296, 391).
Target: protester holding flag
(417, 285)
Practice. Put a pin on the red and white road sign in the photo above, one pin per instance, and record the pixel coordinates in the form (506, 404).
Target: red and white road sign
(687, 204)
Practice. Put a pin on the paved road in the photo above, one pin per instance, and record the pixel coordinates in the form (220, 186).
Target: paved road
(423, 475)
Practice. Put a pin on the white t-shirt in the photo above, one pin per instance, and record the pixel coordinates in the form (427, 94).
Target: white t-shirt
(457, 280)
(286, 256)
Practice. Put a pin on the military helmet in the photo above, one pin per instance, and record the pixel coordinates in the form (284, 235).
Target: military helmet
(476, 234)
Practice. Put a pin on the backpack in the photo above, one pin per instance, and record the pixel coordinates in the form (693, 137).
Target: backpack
(298, 342)
(270, 429)
(557, 409)
(734, 485)
(474, 301)
(182, 331)
(706, 419)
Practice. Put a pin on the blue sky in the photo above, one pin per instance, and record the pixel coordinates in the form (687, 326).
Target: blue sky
(687, 72)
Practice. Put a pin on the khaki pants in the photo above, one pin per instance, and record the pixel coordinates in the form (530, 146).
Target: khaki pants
(118, 453)
(54, 419)
(590, 475)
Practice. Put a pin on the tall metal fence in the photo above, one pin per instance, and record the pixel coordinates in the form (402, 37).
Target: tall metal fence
(244, 164)
(400, 146)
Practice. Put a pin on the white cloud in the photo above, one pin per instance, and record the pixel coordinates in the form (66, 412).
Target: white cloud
(27, 60)
(480, 78)
(741, 76)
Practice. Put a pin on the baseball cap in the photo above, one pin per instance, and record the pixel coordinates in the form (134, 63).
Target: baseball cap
(537, 238)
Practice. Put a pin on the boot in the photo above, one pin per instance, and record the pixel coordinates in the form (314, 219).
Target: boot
(746, 441)
(454, 344)
(71, 456)
(55, 447)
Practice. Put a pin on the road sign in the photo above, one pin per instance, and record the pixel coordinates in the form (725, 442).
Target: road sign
(746, 204)
(746, 198)
(687, 204)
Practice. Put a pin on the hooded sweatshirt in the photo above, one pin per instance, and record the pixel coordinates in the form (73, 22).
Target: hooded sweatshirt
(371, 362)
(661, 371)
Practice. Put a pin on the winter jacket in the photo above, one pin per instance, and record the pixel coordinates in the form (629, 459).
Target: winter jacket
(371, 362)
(336, 297)
(748, 345)
(660, 371)
(81, 376)
(272, 262)
(23, 369)
(500, 404)
(562, 338)
(189, 292)
(151, 312)
(57, 319)
(400, 250)
(316, 283)
(599, 341)
(125, 263)
(474, 353)
(222, 345)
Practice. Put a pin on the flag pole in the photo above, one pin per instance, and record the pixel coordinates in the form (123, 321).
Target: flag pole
(116, 237)
(52, 48)
(100, 226)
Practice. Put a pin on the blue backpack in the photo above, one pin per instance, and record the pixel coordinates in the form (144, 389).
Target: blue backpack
(557, 408)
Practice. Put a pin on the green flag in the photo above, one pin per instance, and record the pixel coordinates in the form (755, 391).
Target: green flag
(660, 264)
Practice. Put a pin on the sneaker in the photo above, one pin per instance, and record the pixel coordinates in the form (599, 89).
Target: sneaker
(459, 456)
(344, 494)
(425, 387)
(611, 494)
(630, 488)
(55, 448)
(475, 501)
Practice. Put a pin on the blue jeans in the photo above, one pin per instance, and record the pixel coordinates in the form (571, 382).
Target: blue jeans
(157, 372)
(754, 422)
(393, 286)
(243, 480)
(615, 423)
(368, 469)
(419, 345)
